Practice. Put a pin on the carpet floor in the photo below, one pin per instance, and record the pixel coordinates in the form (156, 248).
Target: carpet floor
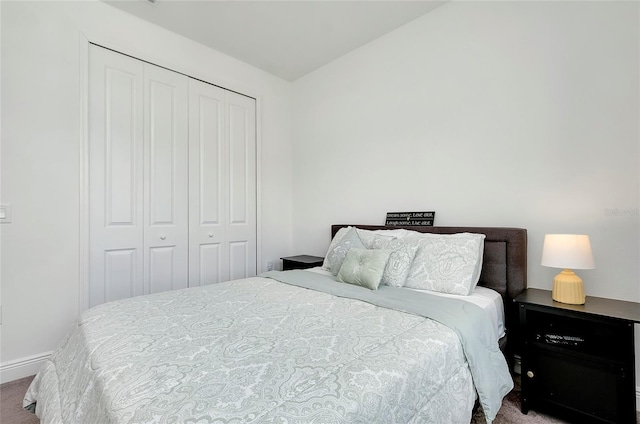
(11, 395)
(11, 411)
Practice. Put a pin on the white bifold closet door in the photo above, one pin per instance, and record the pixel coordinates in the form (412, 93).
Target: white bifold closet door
(166, 179)
(222, 185)
(171, 177)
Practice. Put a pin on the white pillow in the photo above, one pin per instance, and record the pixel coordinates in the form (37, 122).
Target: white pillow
(367, 236)
(447, 263)
(336, 239)
(336, 256)
(402, 252)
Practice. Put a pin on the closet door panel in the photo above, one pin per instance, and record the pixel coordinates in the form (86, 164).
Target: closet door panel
(115, 176)
(120, 274)
(239, 161)
(239, 260)
(241, 133)
(162, 153)
(120, 142)
(162, 275)
(209, 262)
(166, 180)
(210, 160)
(208, 169)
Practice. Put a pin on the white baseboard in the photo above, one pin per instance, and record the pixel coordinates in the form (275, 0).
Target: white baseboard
(23, 367)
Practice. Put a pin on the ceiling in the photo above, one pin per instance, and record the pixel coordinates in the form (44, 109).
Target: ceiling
(288, 39)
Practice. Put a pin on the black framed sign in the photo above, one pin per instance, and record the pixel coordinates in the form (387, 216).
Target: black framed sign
(414, 219)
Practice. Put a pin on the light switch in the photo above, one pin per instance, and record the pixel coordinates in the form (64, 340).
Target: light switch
(5, 213)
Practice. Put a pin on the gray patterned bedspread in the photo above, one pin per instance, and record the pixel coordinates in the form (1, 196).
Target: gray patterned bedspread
(253, 351)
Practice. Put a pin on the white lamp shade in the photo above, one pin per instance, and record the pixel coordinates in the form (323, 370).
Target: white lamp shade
(571, 251)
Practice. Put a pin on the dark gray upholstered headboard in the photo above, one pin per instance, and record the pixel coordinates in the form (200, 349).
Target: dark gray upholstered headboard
(504, 265)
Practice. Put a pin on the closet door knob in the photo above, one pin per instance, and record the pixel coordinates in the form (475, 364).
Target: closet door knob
(163, 237)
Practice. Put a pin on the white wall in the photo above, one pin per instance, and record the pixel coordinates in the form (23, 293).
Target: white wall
(41, 156)
(521, 114)
(511, 114)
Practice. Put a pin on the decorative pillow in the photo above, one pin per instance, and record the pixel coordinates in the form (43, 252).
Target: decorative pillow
(334, 242)
(447, 263)
(367, 236)
(402, 252)
(339, 252)
(363, 267)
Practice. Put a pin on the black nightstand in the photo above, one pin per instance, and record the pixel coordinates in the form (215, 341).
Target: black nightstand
(578, 360)
(301, 262)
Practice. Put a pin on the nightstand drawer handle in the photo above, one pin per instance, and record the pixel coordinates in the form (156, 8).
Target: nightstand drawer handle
(530, 374)
(210, 234)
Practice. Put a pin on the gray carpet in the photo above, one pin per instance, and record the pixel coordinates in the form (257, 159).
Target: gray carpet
(12, 393)
(510, 411)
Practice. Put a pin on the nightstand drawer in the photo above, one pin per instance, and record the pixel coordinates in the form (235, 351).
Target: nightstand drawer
(600, 390)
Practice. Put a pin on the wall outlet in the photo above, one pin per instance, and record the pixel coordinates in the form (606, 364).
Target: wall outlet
(269, 265)
(5, 213)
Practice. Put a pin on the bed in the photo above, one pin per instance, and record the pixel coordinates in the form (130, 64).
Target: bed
(504, 267)
(287, 347)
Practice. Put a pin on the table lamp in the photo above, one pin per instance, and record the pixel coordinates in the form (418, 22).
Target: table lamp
(567, 251)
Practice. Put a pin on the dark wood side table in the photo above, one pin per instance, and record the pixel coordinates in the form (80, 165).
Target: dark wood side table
(301, 262)
(578, 360)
